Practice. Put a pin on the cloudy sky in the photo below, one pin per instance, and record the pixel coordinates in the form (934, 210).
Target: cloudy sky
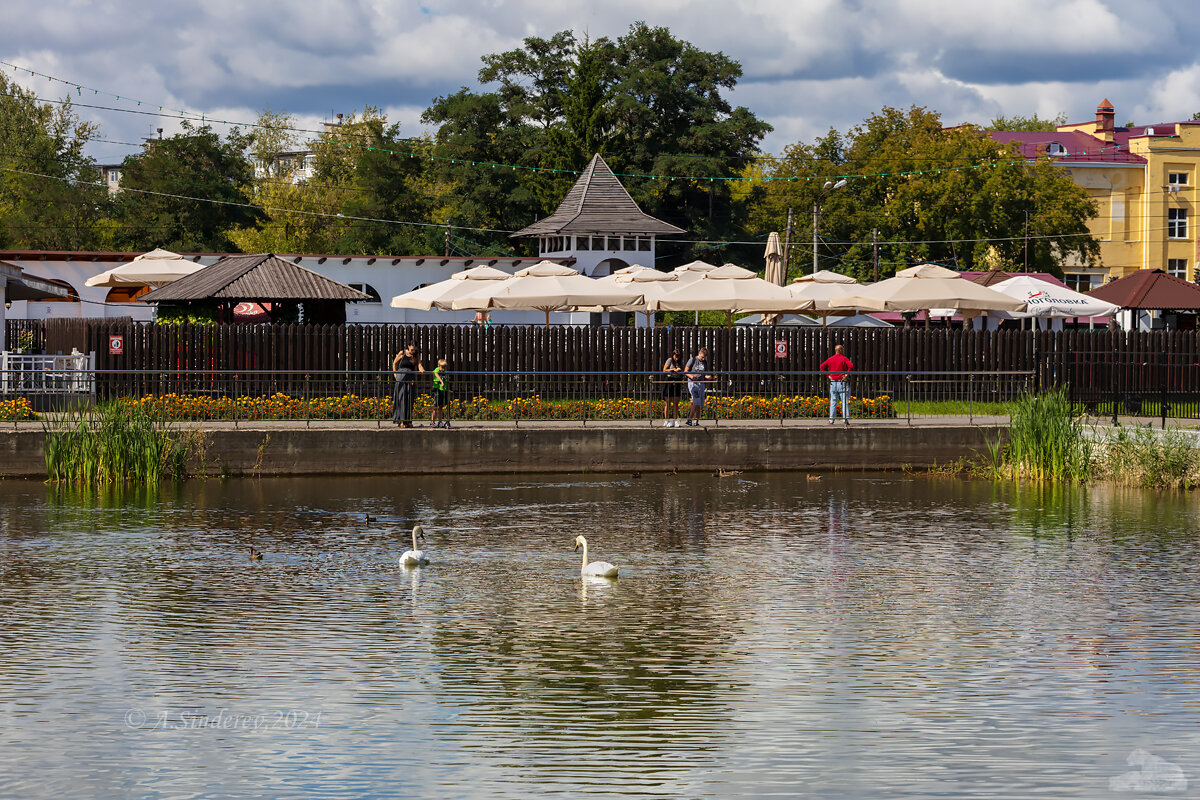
(808, 64)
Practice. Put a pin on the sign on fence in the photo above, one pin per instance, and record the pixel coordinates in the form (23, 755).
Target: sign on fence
(781, 348)
(116, 345)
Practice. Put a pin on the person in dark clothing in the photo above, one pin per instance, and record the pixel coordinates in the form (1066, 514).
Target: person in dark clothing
(405, 366)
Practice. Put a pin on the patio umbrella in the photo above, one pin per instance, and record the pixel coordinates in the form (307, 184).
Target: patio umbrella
(730, 289)
(1047, 300)
(439, 295)
(780, 319)
(650, 282)
(547, 287)
(924, 287)
(156, 268)
(821, 287)
(774, 257)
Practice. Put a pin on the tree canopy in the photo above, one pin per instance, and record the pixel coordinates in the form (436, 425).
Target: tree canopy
(157, 204)
(49, 197)
(949, 195)
(651, 104)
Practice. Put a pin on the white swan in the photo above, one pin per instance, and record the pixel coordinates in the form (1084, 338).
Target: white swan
(596, 569)
(414, 557)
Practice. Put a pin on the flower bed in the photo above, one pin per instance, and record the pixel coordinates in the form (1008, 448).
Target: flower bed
(281, 406)
(16, 410)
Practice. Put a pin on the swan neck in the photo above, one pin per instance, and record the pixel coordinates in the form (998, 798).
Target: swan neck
(414, 538)
(582, 566)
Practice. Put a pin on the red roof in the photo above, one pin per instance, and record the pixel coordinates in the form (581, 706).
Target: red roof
(1075, 146)
(1150, 289)
(996, 275)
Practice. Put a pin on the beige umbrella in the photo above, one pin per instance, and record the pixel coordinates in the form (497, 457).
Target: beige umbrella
(156, 268)
(774, 256)
(650, 282)
(547, 287)
(924, 287)
(730, 289)
(440, 295)
(821, 287)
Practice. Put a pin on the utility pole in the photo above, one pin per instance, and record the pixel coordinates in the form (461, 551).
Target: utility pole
(1027, 241)
(816, 211)
(875, 254)
(787, 243)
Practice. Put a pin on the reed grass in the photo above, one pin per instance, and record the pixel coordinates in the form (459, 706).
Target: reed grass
(113, 443)
(1165, 459)
(1047, 440)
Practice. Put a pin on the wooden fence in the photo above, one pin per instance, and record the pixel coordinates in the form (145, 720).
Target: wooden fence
(1093, 363)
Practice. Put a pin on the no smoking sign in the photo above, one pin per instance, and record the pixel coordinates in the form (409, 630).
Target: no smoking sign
(116, 345)
(781, 349)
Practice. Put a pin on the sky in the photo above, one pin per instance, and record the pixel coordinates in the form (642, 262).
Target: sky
(808, 65)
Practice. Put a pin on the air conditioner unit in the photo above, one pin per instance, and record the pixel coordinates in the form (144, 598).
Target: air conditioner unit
(1173, 189)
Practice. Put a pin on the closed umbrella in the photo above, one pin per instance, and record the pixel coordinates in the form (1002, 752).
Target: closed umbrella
(441, 294)
(774, 256)
(156, 268)
(730, 289)
(924, 287)
(547, 287)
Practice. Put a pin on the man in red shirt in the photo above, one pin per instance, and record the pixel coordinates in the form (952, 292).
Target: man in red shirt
(838, 367)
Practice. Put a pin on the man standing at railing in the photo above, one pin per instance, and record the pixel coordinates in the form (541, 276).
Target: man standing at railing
(838, 368)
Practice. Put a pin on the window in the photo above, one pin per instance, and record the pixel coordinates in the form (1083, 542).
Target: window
(581, 242)
(367, 288)
(1081, 281)
(114, 175)
(644, 243)
(1177, 179)
(597, 242)
(1177, 223)
(1055, 149)
(1177, 267)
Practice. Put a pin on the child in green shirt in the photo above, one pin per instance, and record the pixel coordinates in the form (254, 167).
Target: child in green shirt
(441, 397)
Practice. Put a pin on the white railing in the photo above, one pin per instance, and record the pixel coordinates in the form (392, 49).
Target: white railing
(23, 374)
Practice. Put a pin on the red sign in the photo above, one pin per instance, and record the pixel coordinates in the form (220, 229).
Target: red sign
(116, 345)
(780, 348)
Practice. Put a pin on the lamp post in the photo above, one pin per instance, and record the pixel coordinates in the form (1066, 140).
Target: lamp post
(826, 189)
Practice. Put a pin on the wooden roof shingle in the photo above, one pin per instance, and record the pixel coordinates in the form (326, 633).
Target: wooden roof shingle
(598, 204)
(261, 277)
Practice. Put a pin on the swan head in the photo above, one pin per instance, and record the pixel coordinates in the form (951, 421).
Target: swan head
(419, 532)
(580, 542)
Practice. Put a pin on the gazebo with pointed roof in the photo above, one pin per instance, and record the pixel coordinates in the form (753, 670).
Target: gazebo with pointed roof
(599, 225)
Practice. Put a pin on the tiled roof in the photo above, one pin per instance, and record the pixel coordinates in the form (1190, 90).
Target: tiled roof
(1150, 289)
(1077, 146)
(598, 203)
(261, 277)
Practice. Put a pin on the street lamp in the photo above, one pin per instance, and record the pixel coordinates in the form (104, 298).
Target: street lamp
(826, 189)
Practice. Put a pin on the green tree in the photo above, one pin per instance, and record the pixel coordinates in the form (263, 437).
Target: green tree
(187, 192)
(1020, 123)
(950, 195)
(651, 104)
(49, 197)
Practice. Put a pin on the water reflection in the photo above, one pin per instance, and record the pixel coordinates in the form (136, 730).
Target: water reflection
(862, 635)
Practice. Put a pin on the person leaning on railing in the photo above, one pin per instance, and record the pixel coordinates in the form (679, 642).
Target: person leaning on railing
(404, 367)
(696, 369)
(672, 382)
(838, 368)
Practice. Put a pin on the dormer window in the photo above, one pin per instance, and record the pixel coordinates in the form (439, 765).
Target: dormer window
(1056, 149)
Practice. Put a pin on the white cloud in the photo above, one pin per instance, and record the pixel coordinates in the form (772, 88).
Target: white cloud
(808, 64)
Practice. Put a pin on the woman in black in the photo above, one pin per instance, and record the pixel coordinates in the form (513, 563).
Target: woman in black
(405, 366)
(672, 389)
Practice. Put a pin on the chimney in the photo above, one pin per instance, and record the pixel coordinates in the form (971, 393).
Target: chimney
(1105, 117)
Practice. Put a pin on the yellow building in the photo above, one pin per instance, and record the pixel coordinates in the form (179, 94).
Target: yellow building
(1144, 181)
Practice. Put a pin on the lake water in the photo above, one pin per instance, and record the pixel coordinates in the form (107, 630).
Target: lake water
(770, 636)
